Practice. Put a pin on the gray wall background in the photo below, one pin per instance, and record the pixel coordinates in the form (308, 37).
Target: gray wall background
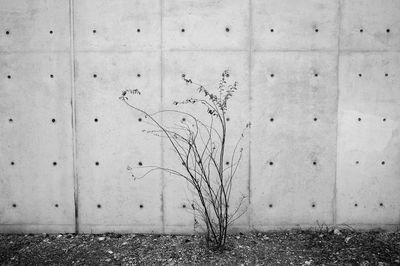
(319, 80)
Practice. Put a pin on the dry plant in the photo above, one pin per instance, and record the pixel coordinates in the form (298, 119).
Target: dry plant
(201, 149)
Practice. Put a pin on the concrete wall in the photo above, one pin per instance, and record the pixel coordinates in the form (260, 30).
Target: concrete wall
(319, 80)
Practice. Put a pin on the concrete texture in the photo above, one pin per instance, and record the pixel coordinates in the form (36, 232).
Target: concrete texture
(307, 71)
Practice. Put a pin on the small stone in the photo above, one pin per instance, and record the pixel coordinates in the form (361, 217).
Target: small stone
(101, 238)
(237, 237)
(125, 243)
(59, 236)
(337, 231)
(110, 252)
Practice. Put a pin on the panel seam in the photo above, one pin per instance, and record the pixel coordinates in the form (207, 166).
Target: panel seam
(250, 44)
(73, 118)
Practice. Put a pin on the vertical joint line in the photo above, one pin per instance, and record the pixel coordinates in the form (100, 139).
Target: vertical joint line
(250, 49)
(73, 106)
(162, 115)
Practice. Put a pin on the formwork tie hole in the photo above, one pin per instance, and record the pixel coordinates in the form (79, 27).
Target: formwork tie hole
(140, 119)
(316, 30)
(138, 30)
(96, 120)
(386, 74)
(227, 29)
(7, 32)
(381, 204)
(271, 30)
(53, 120)
(272, 75)
(357, 162)
(14, 205)
(9, 76)
(271, 163)
(12, 163)
(359, 119)
(314, 163)
(361, 30)
(54, 163)
(387, 30)
(271, 119)
(94, 75)
(138, 75)
(51, 32)
(184, 206)
(355, 204)
(227, 163)
(228, 119)
(315, 119)
(384, 119)
(97, 163)
(56, 205)
(98, 206)
(360, 75)
(94, 31)
(313, 205)
(383, 162)
(270, 205)
(316, 75)
(182, 30)
(140, 163)
(10, 120)
(141, 206)
(51, 76)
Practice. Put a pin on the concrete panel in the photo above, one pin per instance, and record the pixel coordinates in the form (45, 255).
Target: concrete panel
(117, 25)
(370, 25)
(295, 25)
(205, 68)
(293, 159)
(192, 24)
(40, 25)
(368, 172)
(110, 137)
(36, 180)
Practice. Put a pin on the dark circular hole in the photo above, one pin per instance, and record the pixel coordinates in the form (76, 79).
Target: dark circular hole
(355, 204)
(272, 75)
(7, 32)
(314, 163)
(53, 120)
(98, 206)
(271, 119)
(361, 30)
(51, 76)
(96, 120)
(271, 30)
(141, 206)
(386, 74)
(54, 163)
(384, 119)
(97, 163)
(94, 75)
(140, 119)
(138, 75)
(316, 75)
(14, 205)
(227, 29)
(51, 32)
(94, 31)
(383, 162)
(315, 119)
(12, 163)
(228, 119)
(357, 162)
(182, 30)
(10, 120)
(183, 119)
(381, 204)
(9, 77)
(138, 30)
(387, 30)
(140, 163)
(270, 205)
(359, 119)
(316, 30)
(313, 205)
(56, 205)
(271, 163)
(227, 163)
(359, 74)
(184, 206)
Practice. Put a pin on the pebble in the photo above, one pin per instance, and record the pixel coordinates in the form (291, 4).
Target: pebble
(110, 252)
(101, 238)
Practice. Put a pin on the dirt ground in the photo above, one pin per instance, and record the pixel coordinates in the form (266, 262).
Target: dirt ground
(295, 247)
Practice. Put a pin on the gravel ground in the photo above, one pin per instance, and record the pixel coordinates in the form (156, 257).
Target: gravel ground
(295, 247)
